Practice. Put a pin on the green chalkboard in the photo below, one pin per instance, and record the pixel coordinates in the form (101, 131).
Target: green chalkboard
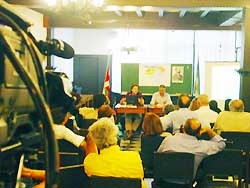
(130, 75)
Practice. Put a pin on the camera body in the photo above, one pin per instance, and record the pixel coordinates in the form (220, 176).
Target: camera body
(14, 95)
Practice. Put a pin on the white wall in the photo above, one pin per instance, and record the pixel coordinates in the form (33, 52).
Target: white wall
(36, 19)
(153, 46)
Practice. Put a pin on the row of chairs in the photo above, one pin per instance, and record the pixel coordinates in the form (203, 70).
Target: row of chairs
(233, 161)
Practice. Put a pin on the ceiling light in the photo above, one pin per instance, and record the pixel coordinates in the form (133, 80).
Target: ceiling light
(51, 2)
(147, 8)
(129, 8)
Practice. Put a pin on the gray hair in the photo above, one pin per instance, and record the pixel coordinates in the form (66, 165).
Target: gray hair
(104, 133)
(236, 105)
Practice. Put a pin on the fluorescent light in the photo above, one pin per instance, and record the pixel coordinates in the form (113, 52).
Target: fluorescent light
(147, 8)
(129, 8)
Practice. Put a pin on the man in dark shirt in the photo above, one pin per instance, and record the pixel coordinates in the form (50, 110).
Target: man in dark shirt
(132, 121)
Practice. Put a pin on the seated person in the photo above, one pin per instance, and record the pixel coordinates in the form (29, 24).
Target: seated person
(92, 113)
(111, 162)
(188, 142)
(151, 139)
(106, 111)
(132, 121)
(177, 118)
(204, 111)
(161, 98)
(195, 104)
(60, 117)
(169, 108)
(236, 120)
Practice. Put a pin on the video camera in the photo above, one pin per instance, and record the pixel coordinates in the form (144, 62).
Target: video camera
(24, 98)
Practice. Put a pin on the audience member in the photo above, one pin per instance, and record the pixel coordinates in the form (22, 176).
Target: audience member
(214, 106)
(111, 162)
(195, 104)
(189, 143)
(204, 112)
(161, 98)
(177, 118)
(92, 113)
(106, 111)
(60, 117)
(151, 139)
(132, 121)
(169, 108)
(234, 120)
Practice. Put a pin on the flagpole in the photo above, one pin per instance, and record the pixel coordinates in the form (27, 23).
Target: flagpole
(193, 67)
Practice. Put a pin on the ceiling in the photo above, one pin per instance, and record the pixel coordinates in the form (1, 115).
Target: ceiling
(151, 14)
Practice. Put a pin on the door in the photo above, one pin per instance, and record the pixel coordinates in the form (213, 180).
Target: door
(89, 72)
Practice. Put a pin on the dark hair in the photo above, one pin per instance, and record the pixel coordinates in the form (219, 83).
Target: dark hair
(183, 101)
(99, 100)
(169, 108)
(227, 101)
(151, 124)
(105, 111)
(188, 128)
(163, 86)
(58, 115)
(133, 85)
(57, 96)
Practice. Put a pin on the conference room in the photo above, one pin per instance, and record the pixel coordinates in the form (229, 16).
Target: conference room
(127, 65)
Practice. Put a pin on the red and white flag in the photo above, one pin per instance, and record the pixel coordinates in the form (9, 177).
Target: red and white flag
(106, 85)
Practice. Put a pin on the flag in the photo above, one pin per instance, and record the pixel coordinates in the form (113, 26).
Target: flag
(197, 80)
(106, 85)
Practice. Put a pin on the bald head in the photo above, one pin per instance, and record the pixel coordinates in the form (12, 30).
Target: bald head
(204, 100)
(236, 106)
(192, 127)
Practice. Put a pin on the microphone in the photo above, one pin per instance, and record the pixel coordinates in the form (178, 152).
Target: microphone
(56, 47)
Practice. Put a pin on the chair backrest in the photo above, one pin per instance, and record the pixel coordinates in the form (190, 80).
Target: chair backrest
(174, 165)
(228, 162)
(237, 140)
(114, 182)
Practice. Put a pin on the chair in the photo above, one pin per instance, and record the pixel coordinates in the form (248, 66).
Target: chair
(229, 162)
(173, 166)
(113, 182)
(239, 140)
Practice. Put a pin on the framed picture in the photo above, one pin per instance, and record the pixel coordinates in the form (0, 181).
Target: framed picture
(177, 74)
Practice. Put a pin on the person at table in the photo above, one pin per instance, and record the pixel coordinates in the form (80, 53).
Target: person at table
(132, 121)
(161, 98)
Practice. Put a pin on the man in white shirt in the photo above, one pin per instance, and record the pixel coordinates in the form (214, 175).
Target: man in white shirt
(188, 142)
(204, 112)
(161, 98)
(177, 118)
